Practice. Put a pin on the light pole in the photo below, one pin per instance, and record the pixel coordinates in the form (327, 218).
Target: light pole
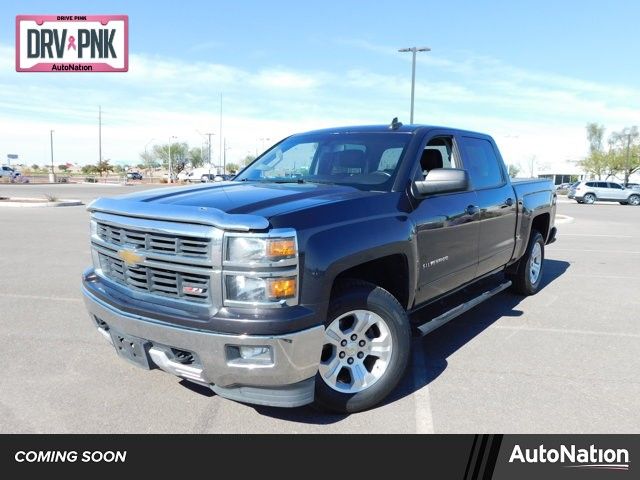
(628, 160)
(413, 50)
(170, 169)
(209, 134)
(52, 175)
(146, 159)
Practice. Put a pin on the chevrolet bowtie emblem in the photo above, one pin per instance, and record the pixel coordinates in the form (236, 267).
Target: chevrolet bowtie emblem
(130, 257)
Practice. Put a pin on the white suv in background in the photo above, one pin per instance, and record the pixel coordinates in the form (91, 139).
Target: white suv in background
(592, 191)
(8, 172)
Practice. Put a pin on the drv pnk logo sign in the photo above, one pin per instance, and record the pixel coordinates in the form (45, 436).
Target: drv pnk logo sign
(72, 43)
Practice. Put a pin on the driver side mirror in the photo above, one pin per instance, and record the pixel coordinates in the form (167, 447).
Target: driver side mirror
(441, 180)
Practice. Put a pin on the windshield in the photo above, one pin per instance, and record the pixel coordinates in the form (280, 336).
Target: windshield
(368, 161)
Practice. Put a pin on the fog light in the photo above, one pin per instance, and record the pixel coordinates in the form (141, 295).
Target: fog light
(249, 356)
(257, 353)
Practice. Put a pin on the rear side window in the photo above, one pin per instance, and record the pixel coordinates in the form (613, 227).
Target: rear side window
(591, 184)
(481, 162)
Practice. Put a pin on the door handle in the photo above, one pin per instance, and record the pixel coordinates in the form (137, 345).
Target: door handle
(472, 210)
(509, 202)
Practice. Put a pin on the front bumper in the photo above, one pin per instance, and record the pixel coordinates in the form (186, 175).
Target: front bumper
(287, 381)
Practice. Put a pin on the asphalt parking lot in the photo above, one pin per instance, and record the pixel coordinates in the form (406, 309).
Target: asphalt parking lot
(565, 360)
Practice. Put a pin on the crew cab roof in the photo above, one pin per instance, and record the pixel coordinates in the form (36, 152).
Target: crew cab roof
(386, 129)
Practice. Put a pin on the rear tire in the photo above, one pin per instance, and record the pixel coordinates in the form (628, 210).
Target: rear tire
(528, 277)
(589, 199)
(366, 351)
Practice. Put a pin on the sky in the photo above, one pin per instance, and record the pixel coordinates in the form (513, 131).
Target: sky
(529, 73)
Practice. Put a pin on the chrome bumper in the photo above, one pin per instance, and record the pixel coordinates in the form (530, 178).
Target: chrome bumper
(295, 356)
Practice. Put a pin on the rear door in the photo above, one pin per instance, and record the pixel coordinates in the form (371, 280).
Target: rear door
(496, 201)
(602, 191)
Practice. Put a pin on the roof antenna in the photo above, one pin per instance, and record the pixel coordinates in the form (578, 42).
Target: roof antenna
(395, 124)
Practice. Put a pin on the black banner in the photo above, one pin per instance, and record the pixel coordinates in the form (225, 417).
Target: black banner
(467, 457)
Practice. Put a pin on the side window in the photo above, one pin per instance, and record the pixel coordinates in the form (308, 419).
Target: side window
(481, 162)
(438, 153)
(601, 184)
(615, 185)
(591, 184)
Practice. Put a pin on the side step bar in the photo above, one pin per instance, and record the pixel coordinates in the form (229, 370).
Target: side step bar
(440, 320)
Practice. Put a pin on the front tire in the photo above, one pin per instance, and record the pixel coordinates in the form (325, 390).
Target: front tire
(528, 276)
(366, 351)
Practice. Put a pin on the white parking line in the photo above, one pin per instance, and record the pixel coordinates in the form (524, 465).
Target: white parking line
(422, 397)
(630, 252)
(40, 297)
(597, 277)
(594, 235)
(568, 330)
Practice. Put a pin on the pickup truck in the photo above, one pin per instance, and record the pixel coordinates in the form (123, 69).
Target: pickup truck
(304, 279)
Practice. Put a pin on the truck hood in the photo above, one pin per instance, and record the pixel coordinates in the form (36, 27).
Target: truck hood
(262, 199)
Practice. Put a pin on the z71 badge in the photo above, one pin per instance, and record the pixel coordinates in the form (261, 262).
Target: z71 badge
(72, 43)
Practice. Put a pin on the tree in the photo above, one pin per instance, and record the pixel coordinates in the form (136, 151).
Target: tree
(625, 145)
(622, 157)
(514, 170)
(103, 166)
(195, 157)
(35, 167)
(595, 136)
(247, 160)
(232, 167)
(596, 163)
(178, 153)
(88, 169)
(63, 168)
(148, 161)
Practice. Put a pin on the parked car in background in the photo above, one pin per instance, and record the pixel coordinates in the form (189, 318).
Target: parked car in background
(185, 176)
(592, 191)
(134, 176)
(634, 186)
(563, 186)
(213, 177)
(8, 172)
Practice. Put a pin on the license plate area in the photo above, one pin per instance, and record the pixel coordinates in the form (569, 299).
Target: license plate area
(133, 349)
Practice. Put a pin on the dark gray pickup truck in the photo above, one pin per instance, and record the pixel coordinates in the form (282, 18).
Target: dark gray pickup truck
(304, 278)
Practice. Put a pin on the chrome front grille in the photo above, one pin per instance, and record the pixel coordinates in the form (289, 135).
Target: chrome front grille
(154, 242)
(182, 285)
(167, 260)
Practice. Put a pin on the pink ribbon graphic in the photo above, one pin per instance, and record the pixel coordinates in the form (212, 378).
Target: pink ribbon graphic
(72, 43)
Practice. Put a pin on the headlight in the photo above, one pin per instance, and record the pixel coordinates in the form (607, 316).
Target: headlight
(260, 249)
(241, 288)
(260, 268)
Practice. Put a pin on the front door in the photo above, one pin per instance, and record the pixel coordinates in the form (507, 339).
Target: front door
(446, 227)
(616, 192)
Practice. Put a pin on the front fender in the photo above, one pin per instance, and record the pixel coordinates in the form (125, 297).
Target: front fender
(329, 252)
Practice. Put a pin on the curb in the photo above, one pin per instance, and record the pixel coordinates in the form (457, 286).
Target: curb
(14, 202)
